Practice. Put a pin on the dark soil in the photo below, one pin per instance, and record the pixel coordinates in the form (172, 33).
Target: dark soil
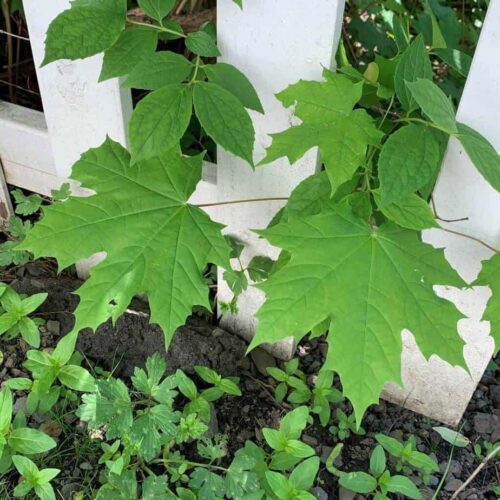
(199, 342)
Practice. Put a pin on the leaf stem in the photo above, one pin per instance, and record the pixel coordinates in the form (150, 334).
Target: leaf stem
(424, 122)
(473, 238)
(234, 202)
(196, 69)
(188, 462)
(156, 27)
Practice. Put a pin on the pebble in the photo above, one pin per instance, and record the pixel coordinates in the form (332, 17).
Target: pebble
(320, 493)
(85, 466)
(485, 423)
(433, 481)
(495, 395)
(325, 453)
(310, 440)
(262, 360)
(53, 327)
(345, 494)
(19, 405)
(452, 484)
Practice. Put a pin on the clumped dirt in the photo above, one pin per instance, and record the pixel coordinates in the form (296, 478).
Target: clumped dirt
(199, 342)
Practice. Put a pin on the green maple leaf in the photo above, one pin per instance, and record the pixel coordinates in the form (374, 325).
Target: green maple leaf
(328, 121)
(156, 243)
(372, 283)
(490, 276)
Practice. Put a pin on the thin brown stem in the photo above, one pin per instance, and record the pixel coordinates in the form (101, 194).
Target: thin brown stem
(235, 202)
(473, 238)
(476, 472)
(438, 217)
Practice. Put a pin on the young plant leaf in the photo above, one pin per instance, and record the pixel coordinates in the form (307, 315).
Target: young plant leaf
(482, 154)
(356, 269)
(413, 64)
(434, 104)
(202, 44)
(159, 121)
(377, 461)
(403, 486)
(410, 158)
(328, 121)
(163, 251)
(411, 212)
(157, 70)
(86, 28)
(452, 437)
(157, 9)
(360, 482)
(224, 119)
(130, 49)
(30, 441)
(234, 81)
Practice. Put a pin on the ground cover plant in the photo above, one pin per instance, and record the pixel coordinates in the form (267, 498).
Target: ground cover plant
(353, 266)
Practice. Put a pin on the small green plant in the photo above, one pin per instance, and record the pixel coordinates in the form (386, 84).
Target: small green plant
(292, 386)
(61, 366)
(287, 379)
(34, 479)
(484, 448)
(299, 482)
(379, 481)
(345, 424)
(14, 315)
(15, 436)
(18, 227)
(407, 456)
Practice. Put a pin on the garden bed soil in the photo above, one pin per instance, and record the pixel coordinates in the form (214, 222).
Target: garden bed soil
(199, 342)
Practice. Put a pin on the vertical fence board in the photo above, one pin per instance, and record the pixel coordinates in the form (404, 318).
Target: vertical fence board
(434, 388)
(275, 43)
(79, 111)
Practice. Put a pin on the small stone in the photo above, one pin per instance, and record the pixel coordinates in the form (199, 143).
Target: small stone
(320, 493)
(433, 481)
(455, 468)
(85, 466)
(262, 360)
(53, 327)
(68, 490)
(19, 405)
(495, 395)
(244, 363)
(452, 484)
(485, 423)
(218, 332)
(325, 453)
(310, 440)
(52, 428)
(345, 494)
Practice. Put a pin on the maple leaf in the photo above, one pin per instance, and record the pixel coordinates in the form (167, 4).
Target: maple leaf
(490, 276)
(328, 121)
(155, 242)
(371, 283)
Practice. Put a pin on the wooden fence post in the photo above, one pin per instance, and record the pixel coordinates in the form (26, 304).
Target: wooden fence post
(78, 110)
(434, 388)
(275, 43)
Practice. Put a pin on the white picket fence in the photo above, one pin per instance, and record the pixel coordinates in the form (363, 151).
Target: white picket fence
(275, 43)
